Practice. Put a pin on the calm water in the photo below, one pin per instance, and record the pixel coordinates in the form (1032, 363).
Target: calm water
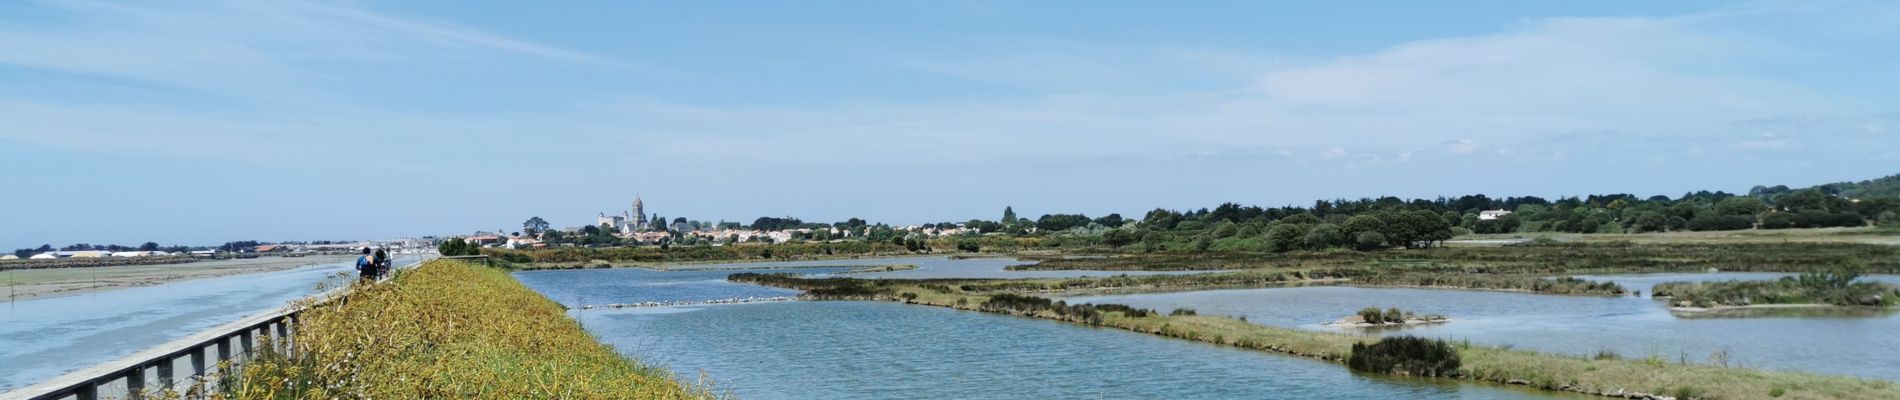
(43, 338)
(1633, 327)
(939, 267)
(577, 287)
(874, 350)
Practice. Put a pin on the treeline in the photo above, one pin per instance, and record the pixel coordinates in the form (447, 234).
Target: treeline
(1540, 257)
(1390, 222)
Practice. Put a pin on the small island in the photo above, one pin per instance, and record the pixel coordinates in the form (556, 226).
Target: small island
(1372, 317)
(1834, 289)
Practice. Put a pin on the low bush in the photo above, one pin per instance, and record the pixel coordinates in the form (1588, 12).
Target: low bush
(1406, 355)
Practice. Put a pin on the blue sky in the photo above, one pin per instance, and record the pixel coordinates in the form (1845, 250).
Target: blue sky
(201, 122)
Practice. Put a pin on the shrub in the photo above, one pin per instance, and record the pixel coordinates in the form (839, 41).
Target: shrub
(1406, 355)
(1371, 315)
(1721, 223)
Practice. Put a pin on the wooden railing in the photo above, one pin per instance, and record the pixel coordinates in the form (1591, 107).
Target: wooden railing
(156, 369)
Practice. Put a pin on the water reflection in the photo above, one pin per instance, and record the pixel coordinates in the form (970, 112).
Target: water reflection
(873, 350)
(1631, 326)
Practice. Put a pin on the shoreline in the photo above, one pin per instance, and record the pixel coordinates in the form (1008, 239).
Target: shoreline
(57, 282)
(1796, 306)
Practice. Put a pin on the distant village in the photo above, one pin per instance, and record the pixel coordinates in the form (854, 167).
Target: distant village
(635, 226)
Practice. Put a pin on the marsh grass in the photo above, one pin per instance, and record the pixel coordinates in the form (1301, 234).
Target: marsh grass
(449, 330)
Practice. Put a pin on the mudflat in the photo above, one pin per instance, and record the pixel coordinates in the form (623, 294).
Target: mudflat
(39, 283)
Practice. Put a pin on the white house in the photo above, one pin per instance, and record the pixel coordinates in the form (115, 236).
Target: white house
(9, 257)
(44, 256)
(1488, 215)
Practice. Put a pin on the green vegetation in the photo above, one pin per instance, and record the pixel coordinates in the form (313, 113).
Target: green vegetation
(1546, 258)
(449, 330)
(1835, 287)
(1374, 316)
(457, 247)
(1405, 355)
(1573, 373)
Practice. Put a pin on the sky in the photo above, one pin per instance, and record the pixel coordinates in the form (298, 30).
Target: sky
(199, 122)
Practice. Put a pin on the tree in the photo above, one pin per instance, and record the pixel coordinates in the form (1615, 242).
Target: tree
(1060, 222)
(1323, 236)
(1111, 221)
(1301, 218)
(534, 226)
(1369, 240)
(1009, 215)
(149, 246)
(1648, 221)
(1161, 219)
(1286, 237)
(458, 247)
(1362, 223)
(1740, 206)
(1117, 238)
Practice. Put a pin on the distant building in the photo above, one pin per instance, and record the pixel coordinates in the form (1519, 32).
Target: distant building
(522, 242)
(1488, 215)
(44, 256)
(483, 240)
(649, 237)
(628, 222)
(9, 257)
(137, 253)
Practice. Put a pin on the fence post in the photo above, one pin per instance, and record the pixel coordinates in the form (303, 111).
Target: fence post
(247, 341)
(166, 378)
(224, 348)
(135, 383)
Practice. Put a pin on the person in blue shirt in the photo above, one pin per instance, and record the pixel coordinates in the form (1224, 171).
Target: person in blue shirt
(366, 267)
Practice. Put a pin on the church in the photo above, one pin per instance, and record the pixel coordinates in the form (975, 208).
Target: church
(626, 222)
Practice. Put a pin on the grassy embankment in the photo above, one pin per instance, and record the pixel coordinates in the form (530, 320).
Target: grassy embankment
(450, 330)
(1590, 374)
(1837, 288)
